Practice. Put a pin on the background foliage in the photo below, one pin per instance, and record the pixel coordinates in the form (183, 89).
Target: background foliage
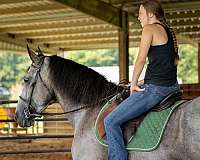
(103, 57)
(13, 66)
(188, 65)
(187, 68)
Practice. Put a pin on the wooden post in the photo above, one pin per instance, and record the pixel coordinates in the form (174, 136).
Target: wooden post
(124, 46)
(199, 62)
(60, 54)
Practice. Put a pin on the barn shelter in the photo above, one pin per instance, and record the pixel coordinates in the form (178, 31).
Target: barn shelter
(62, 25)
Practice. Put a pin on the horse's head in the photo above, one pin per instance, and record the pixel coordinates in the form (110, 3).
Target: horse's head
(36, 93)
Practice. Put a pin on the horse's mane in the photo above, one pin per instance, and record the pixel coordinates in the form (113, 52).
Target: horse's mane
(78, 82)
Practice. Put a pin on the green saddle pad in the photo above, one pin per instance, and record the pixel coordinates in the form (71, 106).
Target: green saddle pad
(149, 133)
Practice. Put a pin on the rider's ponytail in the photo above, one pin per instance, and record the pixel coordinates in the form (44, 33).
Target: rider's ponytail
(154, 6)
(163, 20)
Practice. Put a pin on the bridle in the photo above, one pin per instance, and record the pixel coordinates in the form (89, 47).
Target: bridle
(29, 107)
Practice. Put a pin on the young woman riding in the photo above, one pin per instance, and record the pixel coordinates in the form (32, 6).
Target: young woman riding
(158, 43)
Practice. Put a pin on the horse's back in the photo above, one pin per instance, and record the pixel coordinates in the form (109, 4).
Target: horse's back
(181, 139)
(191, 127)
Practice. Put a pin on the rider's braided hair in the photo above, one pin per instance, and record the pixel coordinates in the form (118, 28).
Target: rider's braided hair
(154, 6)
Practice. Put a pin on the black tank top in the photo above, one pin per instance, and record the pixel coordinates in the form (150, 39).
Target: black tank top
(161, 69)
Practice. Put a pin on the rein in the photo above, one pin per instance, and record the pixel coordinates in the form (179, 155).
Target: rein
(29, 106)
(121, 83)
(77, 109)
(84, 106)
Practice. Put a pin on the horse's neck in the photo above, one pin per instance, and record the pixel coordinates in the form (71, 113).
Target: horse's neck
(81, 118)
(89, 113)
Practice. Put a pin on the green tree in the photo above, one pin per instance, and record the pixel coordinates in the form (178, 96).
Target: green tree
(101, 57)
(12, 68)
(132, 55)
(187, 68)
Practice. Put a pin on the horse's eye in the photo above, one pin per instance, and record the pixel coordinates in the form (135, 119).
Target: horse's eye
(26, 79)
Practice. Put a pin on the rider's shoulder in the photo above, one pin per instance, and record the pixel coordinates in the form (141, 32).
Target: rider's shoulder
(148, 29)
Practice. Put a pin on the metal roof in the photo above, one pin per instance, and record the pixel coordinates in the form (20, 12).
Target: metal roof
(58, 25)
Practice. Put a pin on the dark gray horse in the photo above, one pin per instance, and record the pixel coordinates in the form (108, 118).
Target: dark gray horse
(51, 78)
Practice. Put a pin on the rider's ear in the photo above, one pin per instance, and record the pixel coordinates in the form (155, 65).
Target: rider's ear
(150, 15)
(34, 57)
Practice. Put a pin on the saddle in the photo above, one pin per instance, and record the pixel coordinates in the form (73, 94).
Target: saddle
(134, 123)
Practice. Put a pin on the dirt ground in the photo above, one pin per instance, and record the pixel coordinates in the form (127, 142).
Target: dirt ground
(40, 144)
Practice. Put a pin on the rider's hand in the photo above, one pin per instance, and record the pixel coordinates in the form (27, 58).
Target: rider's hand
(140, 83)
(135, 88)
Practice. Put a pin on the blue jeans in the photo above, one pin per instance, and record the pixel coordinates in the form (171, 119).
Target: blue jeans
(132, 107)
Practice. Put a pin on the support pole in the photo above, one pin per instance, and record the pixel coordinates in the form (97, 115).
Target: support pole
(199, 62)
(124, 46)
(60, 54)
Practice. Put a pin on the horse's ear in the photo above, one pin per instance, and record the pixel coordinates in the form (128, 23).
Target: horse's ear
(40, 52)
(32, 55)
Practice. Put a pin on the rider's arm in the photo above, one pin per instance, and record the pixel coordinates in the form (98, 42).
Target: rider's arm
(145, 43)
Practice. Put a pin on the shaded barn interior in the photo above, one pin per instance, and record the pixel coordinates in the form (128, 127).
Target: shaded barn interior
(64, 25)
